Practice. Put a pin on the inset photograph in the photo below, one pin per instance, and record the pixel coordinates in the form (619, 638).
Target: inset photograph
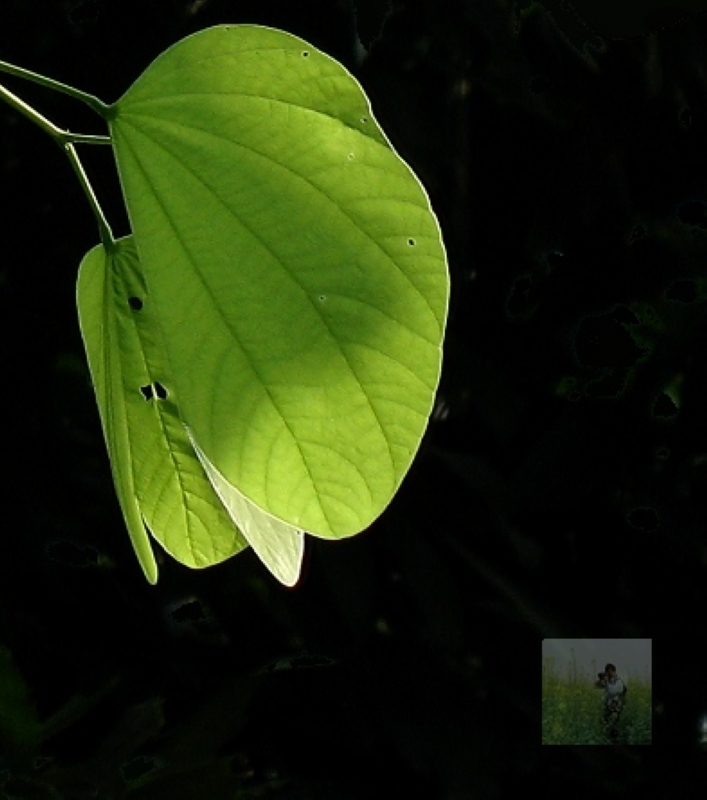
(596, 691)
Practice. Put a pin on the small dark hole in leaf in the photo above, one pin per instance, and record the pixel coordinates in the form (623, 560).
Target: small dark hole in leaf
(305, 54)
(411, 242)
(364, 120)
(154, 390)
(135, 303)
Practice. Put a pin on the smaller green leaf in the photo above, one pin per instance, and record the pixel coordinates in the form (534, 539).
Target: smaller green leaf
(278, 545)
(100, 333)
(157, 475)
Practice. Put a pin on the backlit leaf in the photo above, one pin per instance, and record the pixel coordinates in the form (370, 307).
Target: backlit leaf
(157, 475)
(296, 268)
(278, 545)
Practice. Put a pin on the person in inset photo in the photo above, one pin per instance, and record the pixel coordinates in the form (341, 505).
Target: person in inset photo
(614, 699)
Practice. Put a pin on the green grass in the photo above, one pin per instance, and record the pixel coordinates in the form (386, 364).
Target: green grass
(572, 709)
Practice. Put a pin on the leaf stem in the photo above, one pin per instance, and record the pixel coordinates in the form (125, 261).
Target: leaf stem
(65, 139)
(60, 136)
(104, 229)
(93, 102)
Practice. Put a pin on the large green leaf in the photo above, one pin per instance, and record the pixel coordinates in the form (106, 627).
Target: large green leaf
(157, 475)
(296, 268)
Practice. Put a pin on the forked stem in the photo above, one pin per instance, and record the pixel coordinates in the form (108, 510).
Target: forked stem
(60, 136)
(65, 139)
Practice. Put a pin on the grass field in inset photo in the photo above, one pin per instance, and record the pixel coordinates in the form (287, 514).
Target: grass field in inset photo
(572, 708)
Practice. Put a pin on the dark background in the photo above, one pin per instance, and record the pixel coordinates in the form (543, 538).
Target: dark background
(561, 490)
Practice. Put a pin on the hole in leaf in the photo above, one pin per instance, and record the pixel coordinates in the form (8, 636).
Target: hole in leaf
(364, 120)
(154, 390)
(412, 242)
(135, 303)
(322, 298)
(305, 54)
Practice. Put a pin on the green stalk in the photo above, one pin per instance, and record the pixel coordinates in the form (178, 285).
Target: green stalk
(65, 139)
(93, 102)
(60, 136)
(106, 233)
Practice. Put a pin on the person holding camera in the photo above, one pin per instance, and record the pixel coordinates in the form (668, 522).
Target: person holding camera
(614, 698)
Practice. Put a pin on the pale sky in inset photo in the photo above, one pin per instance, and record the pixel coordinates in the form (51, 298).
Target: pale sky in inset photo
(630, 656)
